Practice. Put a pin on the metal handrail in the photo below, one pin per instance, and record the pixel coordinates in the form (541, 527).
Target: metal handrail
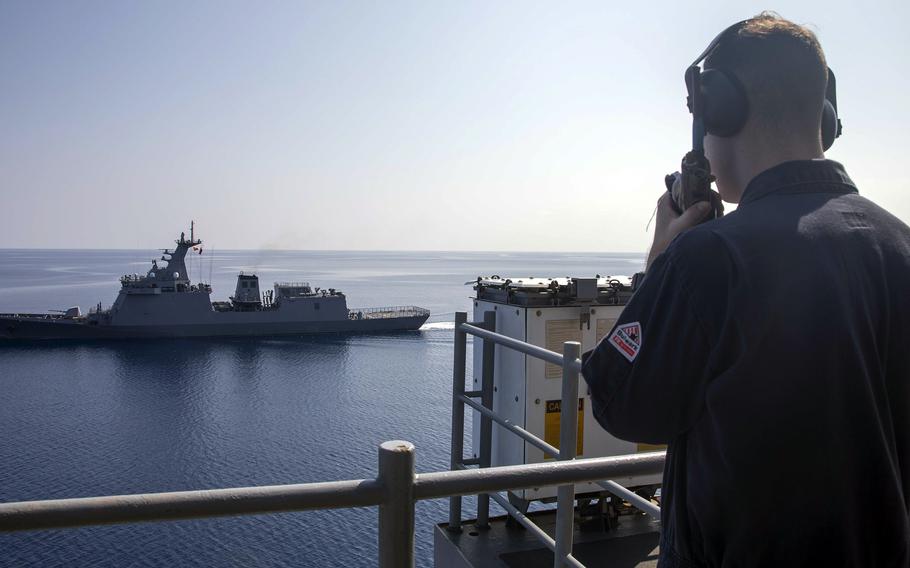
(611, 486)
(112, 509)
(526, 348)
(177, 505)
(571, 367)
(387, 312)
(389, 309)
(514, 428)
(395, 490)
(528, 476)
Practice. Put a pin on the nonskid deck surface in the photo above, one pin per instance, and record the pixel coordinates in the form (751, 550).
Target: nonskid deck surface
(633, 544)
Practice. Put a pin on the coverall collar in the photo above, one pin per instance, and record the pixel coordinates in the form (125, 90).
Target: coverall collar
(799, 176)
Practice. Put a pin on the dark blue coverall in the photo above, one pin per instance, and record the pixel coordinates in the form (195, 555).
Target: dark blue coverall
(771, 350)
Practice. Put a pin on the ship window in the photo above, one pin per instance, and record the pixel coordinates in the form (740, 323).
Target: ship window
(316, 306)
(243, 284)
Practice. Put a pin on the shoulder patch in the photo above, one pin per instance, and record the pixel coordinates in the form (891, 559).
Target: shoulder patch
(626, 338)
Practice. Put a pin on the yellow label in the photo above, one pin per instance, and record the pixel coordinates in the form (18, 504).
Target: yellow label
(551, 425)
(558, 332)
(603, 328)
(651, 447)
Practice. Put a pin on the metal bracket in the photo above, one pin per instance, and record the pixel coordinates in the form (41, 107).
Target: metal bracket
(584, 318)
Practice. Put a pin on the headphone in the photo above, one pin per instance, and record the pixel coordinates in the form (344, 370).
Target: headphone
(719, 106)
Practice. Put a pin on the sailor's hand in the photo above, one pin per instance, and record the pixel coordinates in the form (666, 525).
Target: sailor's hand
(669, 223)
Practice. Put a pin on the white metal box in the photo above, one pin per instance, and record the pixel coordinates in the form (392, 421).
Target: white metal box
(527, 391)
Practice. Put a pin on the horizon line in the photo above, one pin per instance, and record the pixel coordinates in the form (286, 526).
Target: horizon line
(84, 249)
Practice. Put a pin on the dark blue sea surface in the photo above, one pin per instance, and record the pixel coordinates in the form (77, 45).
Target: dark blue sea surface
(101, 418)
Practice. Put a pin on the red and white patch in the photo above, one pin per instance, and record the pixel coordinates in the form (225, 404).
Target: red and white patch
(626, 339)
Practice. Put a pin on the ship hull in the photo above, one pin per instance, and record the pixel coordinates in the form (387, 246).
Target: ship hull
(12, 329)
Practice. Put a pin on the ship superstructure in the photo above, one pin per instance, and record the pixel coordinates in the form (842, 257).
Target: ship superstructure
(165, 303)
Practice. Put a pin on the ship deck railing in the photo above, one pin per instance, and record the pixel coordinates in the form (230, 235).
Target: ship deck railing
(292, 284)
(387, 312)
(44, 316)
(396, 487)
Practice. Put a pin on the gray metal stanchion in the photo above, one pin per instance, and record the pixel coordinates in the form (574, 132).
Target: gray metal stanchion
(568, 439)
(486, 423)
(396, 514)
(458, 377)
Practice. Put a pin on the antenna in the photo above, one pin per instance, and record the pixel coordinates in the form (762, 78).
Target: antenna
(192, 226)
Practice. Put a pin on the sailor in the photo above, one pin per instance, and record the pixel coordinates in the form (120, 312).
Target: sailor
(768, 347)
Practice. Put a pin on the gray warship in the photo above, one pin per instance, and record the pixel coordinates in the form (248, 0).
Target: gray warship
(164, 303)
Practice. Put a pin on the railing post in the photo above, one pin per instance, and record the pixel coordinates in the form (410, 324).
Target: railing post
(568, 439)
(486, 423)
(396, 513)
(458, 377)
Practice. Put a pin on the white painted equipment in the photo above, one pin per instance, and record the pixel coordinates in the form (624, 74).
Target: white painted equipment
(547, 312)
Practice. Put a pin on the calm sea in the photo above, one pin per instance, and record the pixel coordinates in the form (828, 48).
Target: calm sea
(86, 419)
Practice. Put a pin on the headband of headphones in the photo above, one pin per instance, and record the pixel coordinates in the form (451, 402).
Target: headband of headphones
(719, 105)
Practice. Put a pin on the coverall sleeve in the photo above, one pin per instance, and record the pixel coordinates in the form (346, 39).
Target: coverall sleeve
(654, 392)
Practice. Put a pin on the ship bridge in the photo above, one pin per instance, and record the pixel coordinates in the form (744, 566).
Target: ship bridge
(173, 276)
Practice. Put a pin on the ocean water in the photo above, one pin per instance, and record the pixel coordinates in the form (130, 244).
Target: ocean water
(101, 418)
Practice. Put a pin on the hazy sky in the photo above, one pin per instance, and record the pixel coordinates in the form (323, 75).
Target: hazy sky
(388, 125)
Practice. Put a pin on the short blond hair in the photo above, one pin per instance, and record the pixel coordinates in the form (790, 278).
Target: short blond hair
(782, 68)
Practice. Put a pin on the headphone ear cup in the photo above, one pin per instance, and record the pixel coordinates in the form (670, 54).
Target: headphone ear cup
(725, 107)
(829, 125)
